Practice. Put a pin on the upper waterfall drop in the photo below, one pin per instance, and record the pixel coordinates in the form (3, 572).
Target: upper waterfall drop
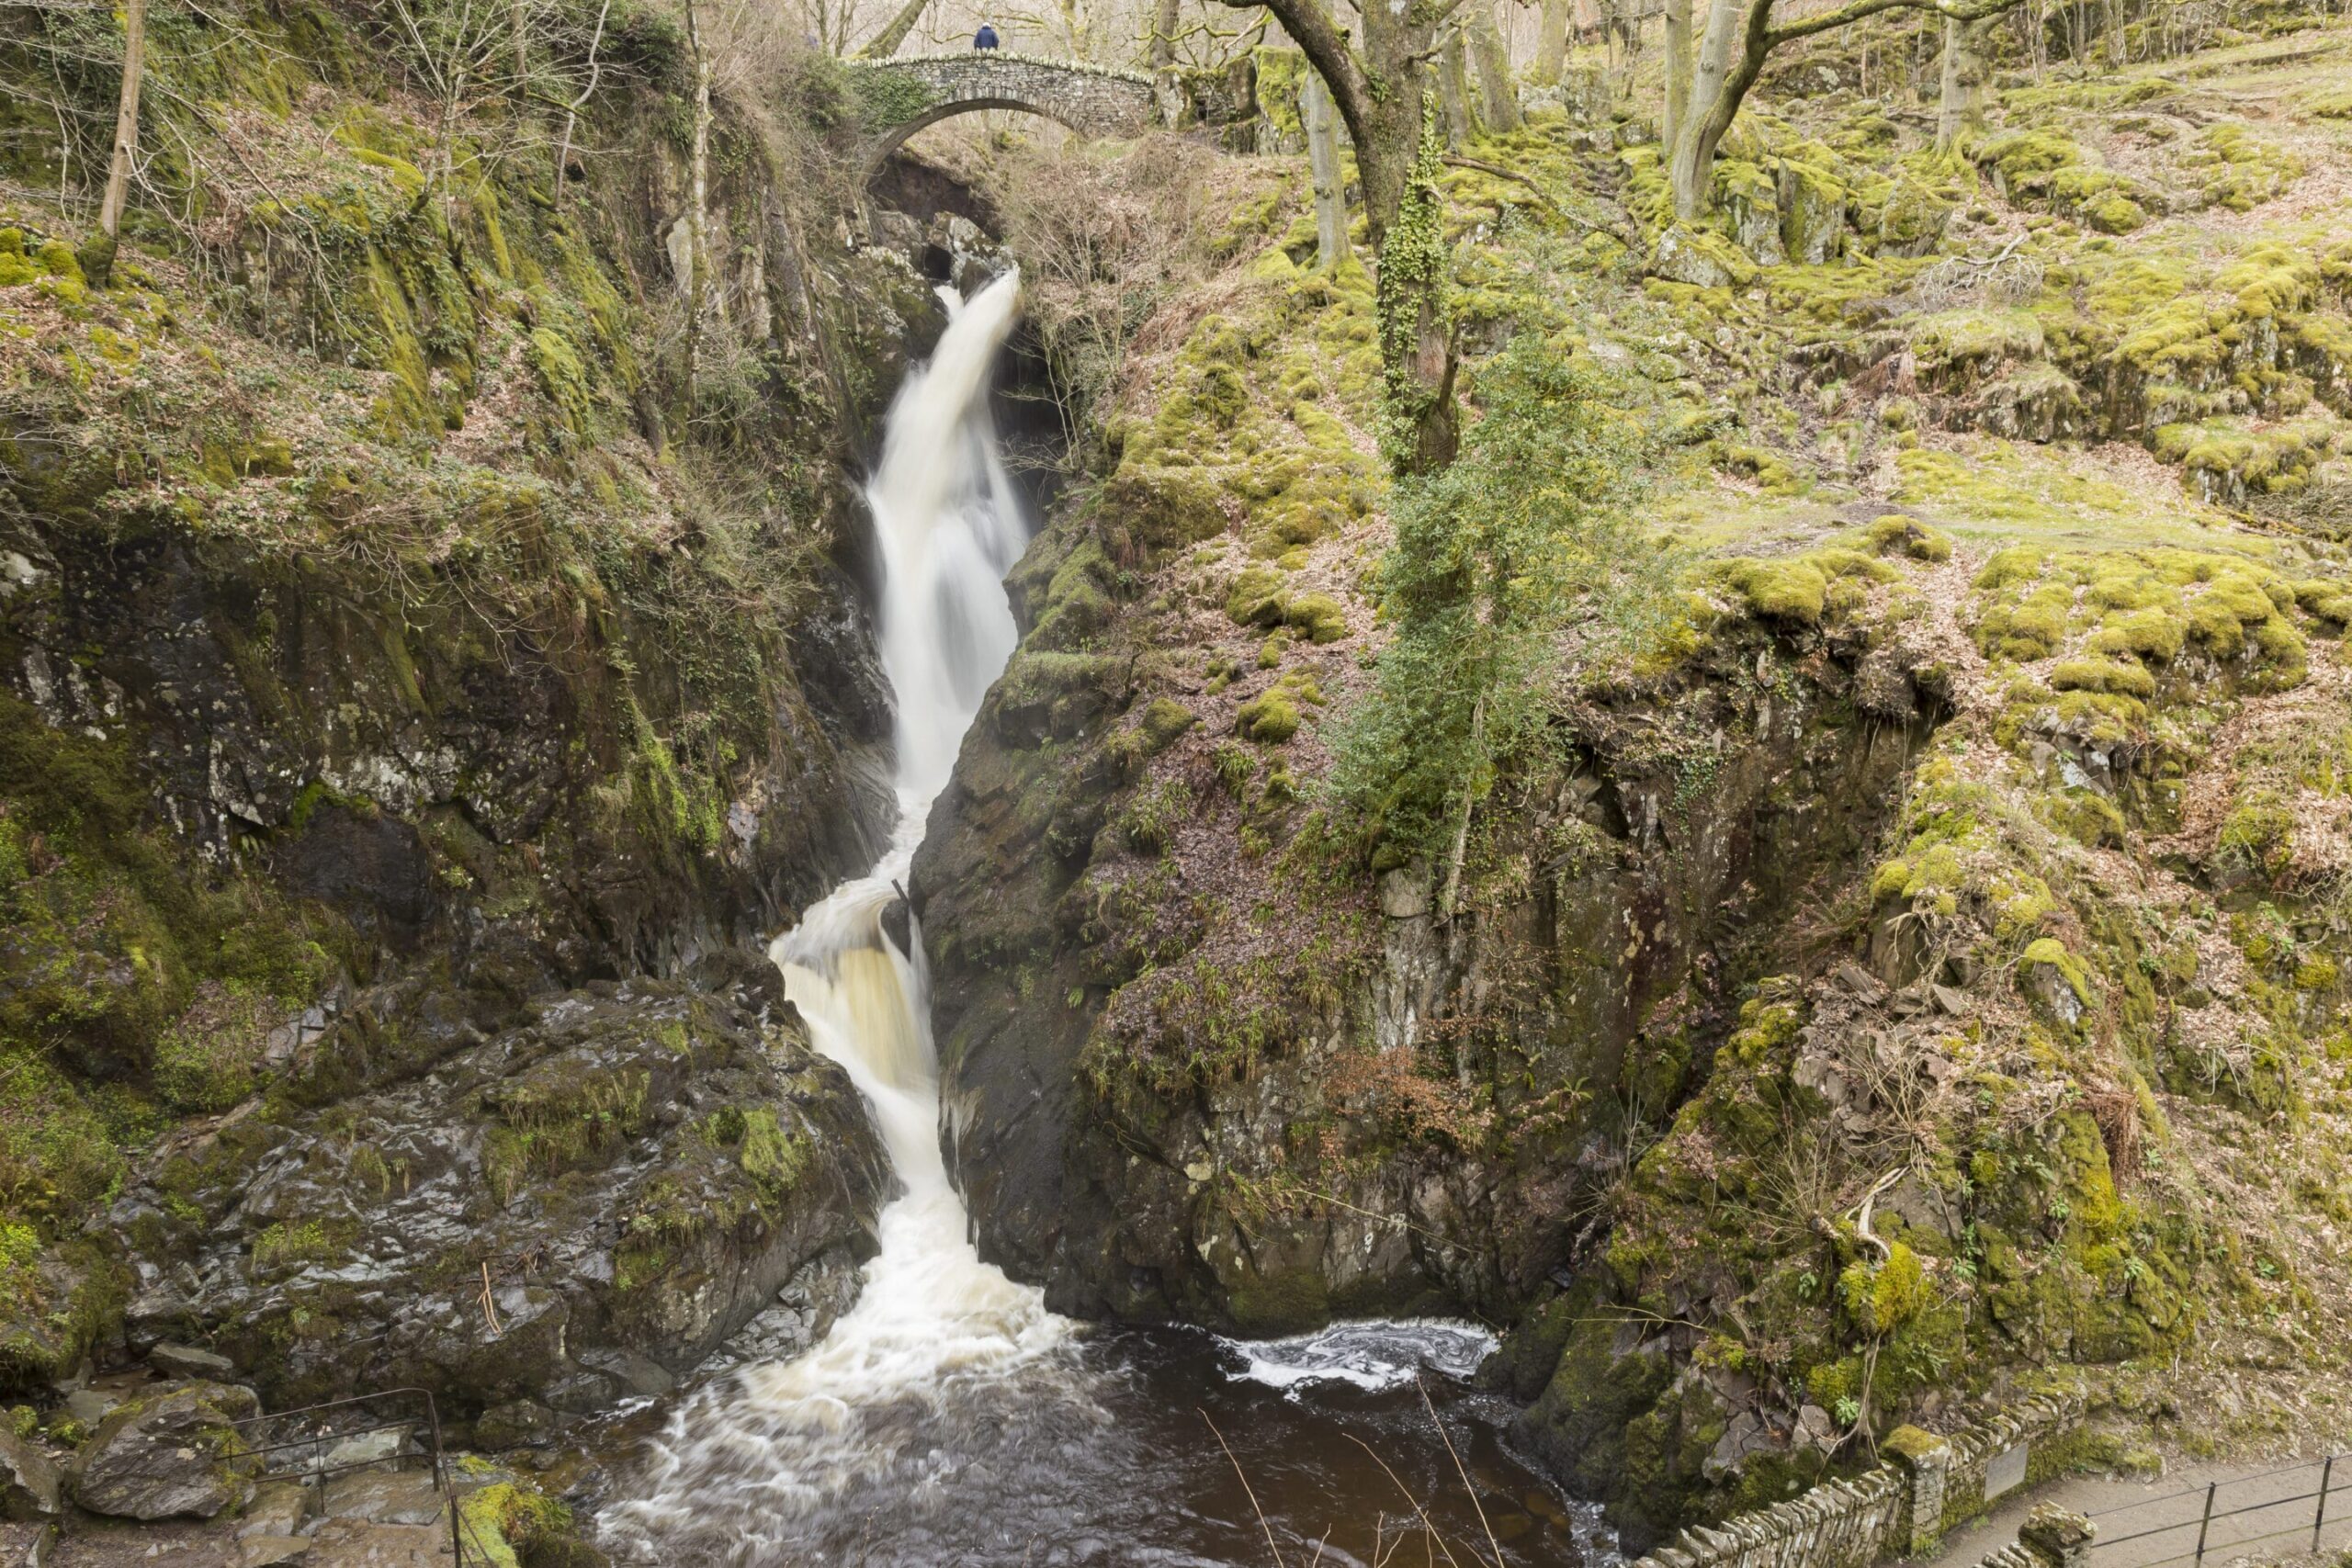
(949, 527)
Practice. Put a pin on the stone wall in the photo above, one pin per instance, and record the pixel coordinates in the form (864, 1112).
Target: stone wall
(1928, 1484)
(2020, 1446)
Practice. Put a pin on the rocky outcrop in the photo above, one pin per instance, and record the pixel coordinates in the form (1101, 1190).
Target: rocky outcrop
(168, 1455)
(533, 1220)
(430, 644)
(1244, 1139)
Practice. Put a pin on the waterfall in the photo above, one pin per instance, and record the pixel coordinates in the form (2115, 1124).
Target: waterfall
(948, 1417)
(756, 1466)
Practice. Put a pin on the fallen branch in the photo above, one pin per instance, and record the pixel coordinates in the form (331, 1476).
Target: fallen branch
(1249, 1490)
(1431, 1405)
(1455, 160)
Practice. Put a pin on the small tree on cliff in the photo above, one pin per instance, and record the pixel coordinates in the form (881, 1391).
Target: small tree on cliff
(1379, 82)
(1494, 558)
(1740, 36)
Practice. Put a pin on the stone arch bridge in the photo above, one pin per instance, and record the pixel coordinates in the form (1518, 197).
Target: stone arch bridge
(899, 96)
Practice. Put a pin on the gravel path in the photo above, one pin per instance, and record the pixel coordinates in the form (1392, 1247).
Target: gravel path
(2262, 1512)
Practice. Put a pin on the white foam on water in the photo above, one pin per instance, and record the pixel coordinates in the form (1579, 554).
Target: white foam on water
(1374, 1355)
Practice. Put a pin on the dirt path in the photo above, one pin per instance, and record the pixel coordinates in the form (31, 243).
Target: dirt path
(2262, 1512)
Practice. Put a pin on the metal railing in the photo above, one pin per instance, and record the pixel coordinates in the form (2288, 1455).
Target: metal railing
(2236, 1504)
(322, 1466)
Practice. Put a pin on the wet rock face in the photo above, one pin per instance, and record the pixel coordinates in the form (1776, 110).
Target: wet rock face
(433, 791)
(1646, 873)
(173, 1454)
(572, 1210)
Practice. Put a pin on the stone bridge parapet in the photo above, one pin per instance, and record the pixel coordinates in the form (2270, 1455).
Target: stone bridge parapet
(899, 95)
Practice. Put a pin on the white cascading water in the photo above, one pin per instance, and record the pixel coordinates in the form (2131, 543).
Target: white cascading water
(930, 1316)
(948, 1417)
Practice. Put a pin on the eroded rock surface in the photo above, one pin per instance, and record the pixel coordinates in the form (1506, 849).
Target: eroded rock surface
(570, 1210)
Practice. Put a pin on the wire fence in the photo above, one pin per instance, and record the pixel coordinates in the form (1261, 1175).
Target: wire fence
(2303, 1506)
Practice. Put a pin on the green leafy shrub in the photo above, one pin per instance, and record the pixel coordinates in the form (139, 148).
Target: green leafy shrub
(1491, 557)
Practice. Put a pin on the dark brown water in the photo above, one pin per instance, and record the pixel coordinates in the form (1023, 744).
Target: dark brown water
(1109, 1452)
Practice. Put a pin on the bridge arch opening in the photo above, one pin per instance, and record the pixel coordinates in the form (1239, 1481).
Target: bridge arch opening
(890, 141)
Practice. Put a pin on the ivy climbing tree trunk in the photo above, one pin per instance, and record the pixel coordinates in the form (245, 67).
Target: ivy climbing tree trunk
(1378, 73)
(126, 144)
(1498, 94)
(1323, 161)
(1420, 425)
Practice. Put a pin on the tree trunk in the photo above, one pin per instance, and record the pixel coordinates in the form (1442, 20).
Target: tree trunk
(1678, 70)
(1498, 94)
(1694, 147)
(587, 91)
(885, 42)
(1625, 32)
(1166, 91)
(697, 210)
(126, 140)
(1420, 424)
(1552, 43)
(1323, 160)
(518, 40)
(1453, 91)
(1961, 105)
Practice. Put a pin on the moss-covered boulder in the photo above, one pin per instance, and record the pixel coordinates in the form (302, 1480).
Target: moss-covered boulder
(576, 1209)
(174, 1454)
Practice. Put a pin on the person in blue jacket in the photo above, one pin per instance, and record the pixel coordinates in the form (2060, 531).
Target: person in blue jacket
(985, 38)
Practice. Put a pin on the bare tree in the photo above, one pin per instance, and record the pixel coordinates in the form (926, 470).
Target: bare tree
(1377, 78)
(697, 279)
(1453, 92)
(894, 32)
(1961, 106)
(126, 141)
(1678, 70)
(587, 91)
(1740, 36)
(1552, 43)
(1160, 53)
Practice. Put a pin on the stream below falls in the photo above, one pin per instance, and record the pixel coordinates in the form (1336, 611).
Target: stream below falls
(948, 1417)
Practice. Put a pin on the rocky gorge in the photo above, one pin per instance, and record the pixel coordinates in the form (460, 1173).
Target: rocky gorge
(1889, 968)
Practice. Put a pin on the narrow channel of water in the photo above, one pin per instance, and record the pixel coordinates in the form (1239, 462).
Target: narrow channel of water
(948, 1417)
